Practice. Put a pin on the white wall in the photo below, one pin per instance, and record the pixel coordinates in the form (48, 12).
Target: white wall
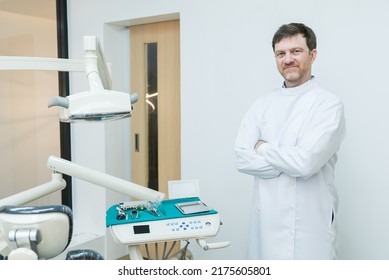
(226, 62)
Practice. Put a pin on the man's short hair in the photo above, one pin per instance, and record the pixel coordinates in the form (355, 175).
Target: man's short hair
(291, 29)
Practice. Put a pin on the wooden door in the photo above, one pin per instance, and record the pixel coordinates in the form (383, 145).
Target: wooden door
(155, 123)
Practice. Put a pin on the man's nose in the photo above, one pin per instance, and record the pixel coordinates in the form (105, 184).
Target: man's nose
(288, 58)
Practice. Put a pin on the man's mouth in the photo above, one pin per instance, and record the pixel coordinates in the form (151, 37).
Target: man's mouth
(291, 69)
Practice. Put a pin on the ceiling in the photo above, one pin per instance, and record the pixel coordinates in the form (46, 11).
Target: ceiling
(38, 8)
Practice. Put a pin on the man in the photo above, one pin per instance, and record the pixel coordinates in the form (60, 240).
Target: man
(288, 141)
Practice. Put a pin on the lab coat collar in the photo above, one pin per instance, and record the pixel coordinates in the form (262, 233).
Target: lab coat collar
(301, 88)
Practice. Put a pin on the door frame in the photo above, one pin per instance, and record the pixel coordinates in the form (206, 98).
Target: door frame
(63, 88)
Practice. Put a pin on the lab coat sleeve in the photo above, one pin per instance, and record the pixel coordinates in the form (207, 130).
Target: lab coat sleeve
(317, 143)
(247, 159)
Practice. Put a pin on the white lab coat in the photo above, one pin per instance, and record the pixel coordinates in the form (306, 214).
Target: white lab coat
(295, 200)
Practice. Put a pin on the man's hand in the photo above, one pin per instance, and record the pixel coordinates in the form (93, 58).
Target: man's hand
(259, 143)
(261, 147)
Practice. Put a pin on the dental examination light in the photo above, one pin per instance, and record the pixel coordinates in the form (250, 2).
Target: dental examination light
(99, 103)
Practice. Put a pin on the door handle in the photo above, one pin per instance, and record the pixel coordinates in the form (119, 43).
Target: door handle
(136, 142)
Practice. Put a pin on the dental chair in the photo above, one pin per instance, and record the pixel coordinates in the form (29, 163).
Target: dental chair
(39, 233)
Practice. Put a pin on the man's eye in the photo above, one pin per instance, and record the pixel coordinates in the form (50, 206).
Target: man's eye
(280, 55)
(298, 51)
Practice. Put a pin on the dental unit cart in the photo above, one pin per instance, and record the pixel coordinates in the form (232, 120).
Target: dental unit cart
(138, 222)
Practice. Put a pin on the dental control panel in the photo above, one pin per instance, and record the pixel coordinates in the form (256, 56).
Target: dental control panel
(144, 222)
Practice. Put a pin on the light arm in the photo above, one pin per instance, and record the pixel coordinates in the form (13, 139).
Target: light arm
(41, 63)
(56, 184)
(102, 179)
(59, 166)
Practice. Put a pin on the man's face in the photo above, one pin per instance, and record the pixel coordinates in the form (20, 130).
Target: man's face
(294, 60)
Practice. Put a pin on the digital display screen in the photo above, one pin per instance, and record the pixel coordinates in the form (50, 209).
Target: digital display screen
(141, 229)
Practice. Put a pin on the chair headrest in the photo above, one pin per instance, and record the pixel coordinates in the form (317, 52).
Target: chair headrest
(54, 223)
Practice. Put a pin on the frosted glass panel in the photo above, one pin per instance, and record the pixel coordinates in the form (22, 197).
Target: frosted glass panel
(29, 130)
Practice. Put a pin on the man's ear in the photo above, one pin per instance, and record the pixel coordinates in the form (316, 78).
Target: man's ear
(313, 55)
